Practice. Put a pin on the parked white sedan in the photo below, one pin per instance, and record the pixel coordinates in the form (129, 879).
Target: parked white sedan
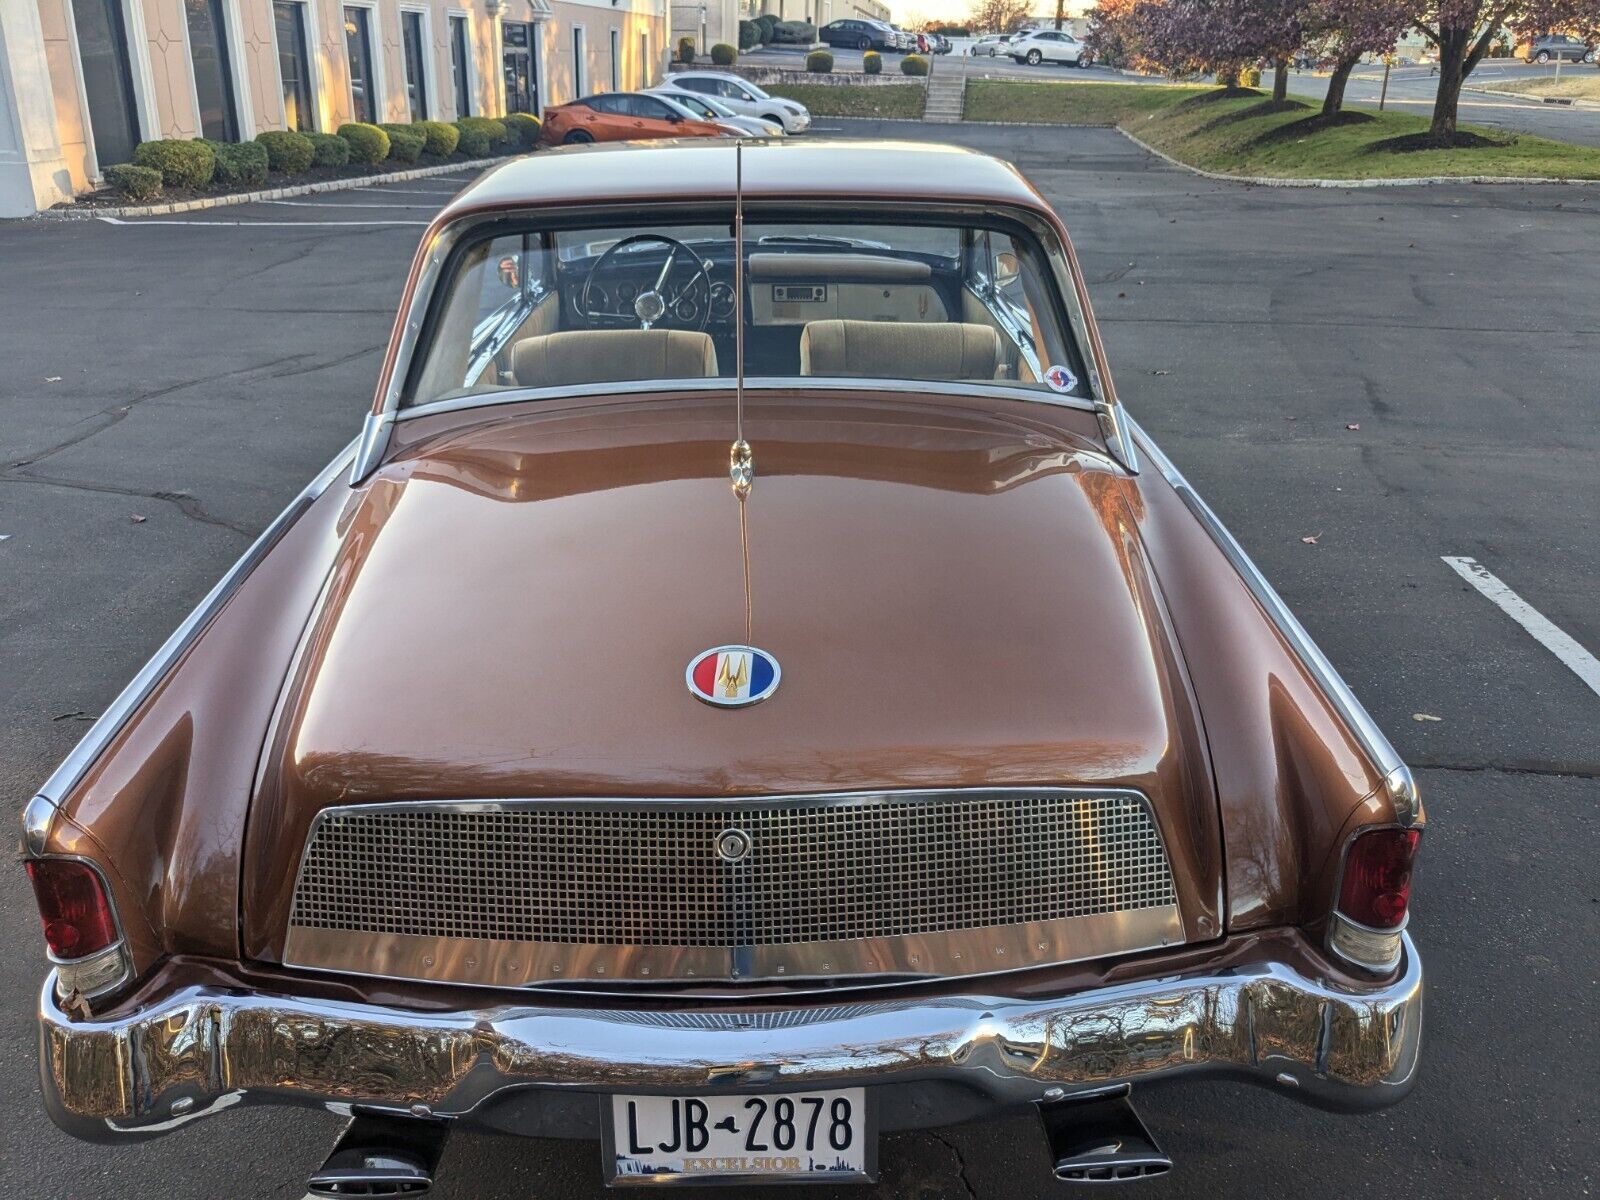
(991, 45)
(744, 97)
(706, 108)
(1048, 45)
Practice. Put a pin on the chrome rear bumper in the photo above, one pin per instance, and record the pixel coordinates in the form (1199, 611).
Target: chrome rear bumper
(201, 1050)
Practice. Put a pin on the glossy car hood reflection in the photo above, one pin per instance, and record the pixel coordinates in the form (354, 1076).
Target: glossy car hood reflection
(955, 598)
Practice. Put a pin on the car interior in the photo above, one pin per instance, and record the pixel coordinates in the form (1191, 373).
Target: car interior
(560, 308)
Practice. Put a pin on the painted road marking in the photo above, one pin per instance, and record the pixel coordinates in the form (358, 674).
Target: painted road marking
(1582, 664)
(243, 224)
(342, 204)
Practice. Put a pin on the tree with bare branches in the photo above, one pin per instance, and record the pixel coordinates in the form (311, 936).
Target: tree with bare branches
(1000, 16)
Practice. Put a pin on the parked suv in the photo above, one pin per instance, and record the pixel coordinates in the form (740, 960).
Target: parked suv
(1048, 45)
(1559, 46)
(858, 35)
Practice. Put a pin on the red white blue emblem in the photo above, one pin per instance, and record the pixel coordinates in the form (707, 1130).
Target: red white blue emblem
(1060, 379)
(733, 676)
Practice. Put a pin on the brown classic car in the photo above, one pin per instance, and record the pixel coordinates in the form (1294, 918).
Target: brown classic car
(750, 686)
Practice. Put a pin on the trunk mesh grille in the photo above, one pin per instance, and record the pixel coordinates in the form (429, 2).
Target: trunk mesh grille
(816, 870)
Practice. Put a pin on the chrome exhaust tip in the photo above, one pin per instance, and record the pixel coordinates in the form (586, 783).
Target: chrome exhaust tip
(381, 1157)
(1099, 1138)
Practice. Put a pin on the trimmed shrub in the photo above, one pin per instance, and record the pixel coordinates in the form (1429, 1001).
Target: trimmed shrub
(792, 33)
(183, 164)
(136, 183)
(686, 50)
(913, 64)
(819, 62)
(438, 137)
(405, 143)
(872, 63)
(768, 23)
(1250, 77)
(480, 135)
(287, 151)
(368, 143)
(328, 149)
(240, 164)
(524, 128)
(723, 54)
(749, 35)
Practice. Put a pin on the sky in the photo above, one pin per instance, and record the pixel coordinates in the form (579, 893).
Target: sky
(902, 11)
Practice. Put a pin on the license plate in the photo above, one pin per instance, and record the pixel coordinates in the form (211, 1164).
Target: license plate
(820, 1136)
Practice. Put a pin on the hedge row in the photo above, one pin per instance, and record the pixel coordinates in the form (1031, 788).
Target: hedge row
(191, 164)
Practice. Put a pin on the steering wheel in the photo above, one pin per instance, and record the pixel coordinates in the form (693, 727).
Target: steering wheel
(651, 306)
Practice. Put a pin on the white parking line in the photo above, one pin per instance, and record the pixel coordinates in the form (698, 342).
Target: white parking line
(343, 204)
(241, 224)
(1582, 664)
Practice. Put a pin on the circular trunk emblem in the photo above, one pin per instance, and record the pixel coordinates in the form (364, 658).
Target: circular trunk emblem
(732, 676)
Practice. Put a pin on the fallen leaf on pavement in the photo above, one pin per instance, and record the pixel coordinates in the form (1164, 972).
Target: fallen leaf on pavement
(1311, 539)
(52, 379)
(1161, 372)
(1425, 717)
(1354, 425)
(137, 519)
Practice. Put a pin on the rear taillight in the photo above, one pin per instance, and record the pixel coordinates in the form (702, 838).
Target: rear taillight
(73, 907)
(1374, 894)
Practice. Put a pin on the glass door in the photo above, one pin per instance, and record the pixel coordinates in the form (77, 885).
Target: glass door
(294, 64)
(107, 80)
(521, 70)
(416, 77)
(213, 69)
(459, 74)
(358, 49)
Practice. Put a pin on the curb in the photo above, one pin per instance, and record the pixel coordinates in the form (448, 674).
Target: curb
(1412, 181)
(1563, 101)
(281, 193)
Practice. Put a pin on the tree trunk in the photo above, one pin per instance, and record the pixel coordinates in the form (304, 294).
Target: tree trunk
(1280, 79)
(1334, 100)
(1452, 74)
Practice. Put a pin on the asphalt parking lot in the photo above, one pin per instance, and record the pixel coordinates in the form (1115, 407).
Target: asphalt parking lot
(170, 383)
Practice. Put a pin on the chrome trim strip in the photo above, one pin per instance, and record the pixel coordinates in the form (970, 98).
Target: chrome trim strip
(984, 950)
(1398, 782)
(815, 383)
(200, 1050)
(103, 731)
(38, 815)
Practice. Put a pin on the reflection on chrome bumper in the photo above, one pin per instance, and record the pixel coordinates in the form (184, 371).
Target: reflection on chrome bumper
(205, 1049)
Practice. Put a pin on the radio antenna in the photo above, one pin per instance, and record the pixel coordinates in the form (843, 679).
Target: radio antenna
(741, 463)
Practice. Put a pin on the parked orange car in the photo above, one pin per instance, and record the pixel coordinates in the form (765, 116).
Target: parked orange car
(621, 116)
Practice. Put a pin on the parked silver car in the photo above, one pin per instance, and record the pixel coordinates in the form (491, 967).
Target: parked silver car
(707, 108)
(1048, 45)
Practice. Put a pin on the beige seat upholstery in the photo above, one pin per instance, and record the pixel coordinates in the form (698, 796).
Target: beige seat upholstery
(611, 356)
(897, 350)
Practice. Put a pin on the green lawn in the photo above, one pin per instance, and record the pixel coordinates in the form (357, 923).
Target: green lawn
(855, 100)
(1577, 82)
(1244, 134)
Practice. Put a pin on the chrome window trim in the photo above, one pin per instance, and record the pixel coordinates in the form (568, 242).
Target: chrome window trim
(770, 383)
(36, 822)
(379, 423)
(1398, 781)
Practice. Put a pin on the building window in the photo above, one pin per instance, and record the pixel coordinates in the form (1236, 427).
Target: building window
(416, 79)
(213, 71)
(646, 73)
(580, 61)
(294, 64)
(616, 60)
(107, 80)
(358, 49)
(460, 75)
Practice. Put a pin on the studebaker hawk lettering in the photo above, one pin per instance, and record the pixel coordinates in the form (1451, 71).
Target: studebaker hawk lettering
(471, 797)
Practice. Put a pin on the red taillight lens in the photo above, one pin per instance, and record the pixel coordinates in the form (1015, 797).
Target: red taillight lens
(1377, 877)
(73, 907)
